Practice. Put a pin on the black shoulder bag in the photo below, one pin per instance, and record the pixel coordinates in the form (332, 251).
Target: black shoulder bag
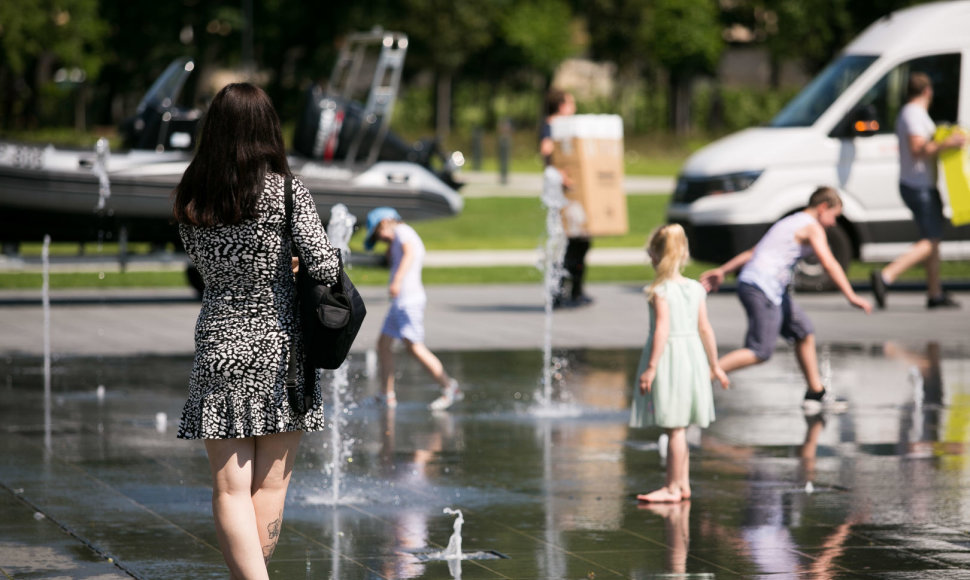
(331, 316)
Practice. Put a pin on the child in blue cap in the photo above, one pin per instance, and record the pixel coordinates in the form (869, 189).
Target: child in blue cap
(405, 318)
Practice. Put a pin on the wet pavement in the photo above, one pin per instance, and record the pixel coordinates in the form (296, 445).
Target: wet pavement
(95, 485)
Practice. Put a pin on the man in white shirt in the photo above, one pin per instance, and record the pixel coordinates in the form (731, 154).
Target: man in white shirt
(917, 185)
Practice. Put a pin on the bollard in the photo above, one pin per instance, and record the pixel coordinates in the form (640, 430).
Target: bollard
(477, 149)
(504, 147)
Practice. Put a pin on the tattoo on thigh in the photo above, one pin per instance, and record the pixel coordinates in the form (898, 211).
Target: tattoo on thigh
(274, 527)
(273, 531)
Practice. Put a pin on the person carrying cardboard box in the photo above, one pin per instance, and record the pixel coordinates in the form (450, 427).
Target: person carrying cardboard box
(588, 151)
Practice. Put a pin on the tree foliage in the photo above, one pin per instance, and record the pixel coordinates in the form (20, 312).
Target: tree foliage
(685, 36)
(123, 46)
(541, 30)
(36, 39)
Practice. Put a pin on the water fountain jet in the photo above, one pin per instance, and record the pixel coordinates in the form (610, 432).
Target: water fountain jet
(339, 230)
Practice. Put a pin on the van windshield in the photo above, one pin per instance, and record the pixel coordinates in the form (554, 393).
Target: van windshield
(819, 94)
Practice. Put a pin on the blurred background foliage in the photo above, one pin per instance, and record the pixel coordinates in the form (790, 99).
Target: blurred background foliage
(70, 69)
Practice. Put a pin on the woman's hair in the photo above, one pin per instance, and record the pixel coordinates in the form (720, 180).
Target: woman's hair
(667, 246)
(241, 141)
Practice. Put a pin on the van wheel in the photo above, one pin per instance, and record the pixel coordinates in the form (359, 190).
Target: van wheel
(195, 278)
(809, 274)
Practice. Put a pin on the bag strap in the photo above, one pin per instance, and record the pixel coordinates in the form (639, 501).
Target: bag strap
(288, 192)
(291, 365)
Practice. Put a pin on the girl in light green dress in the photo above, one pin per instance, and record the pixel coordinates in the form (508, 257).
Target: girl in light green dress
(678, 362)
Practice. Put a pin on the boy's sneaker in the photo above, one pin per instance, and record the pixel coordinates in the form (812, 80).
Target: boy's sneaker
(944, 301)
(824, 402)
(878, 288)
(451, 396)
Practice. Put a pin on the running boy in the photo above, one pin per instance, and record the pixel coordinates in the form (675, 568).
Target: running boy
(763, 291)
(405, 318)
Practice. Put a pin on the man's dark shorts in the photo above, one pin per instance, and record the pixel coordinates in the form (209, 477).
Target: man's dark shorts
(767, 320)
(927, 208)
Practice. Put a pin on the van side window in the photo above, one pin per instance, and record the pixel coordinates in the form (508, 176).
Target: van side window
(884, 100)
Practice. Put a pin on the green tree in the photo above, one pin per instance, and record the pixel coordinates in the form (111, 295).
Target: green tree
(541, 30)
(811, 33)
(685, 39)
(36, 39)
(616, 32)
(443, 35)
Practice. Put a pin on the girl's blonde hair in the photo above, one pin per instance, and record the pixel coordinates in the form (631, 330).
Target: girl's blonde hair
(667, 246)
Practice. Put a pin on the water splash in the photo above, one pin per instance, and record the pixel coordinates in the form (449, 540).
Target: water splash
(453, 551)
(553, 272)
(825, 365)
(553, 401)
(100, 169)
(45, 292)
(339, 229)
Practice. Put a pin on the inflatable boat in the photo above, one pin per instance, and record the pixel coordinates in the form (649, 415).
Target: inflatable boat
(342, 150)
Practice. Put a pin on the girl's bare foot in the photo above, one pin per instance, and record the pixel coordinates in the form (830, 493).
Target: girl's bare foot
(662, 495)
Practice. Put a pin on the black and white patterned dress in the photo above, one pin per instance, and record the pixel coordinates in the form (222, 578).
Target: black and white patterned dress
(243, 334)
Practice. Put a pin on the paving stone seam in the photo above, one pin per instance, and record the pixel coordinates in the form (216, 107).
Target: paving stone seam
(70, 531)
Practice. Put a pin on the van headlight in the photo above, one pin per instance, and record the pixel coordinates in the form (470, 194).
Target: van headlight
(690, 189)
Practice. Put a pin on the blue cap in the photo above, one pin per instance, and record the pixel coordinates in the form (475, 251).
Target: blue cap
(374, 218)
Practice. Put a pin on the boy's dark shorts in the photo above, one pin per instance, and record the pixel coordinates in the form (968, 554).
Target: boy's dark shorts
(927, 208)
(767, 320)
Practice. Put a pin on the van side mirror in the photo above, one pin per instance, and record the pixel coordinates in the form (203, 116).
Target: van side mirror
(863, 121)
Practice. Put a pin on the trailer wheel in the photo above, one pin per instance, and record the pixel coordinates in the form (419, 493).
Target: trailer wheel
(810, 276)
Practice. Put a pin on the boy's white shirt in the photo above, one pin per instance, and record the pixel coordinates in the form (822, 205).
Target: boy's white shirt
(412, 289)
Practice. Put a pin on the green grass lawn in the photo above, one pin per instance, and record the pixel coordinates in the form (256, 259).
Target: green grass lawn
(504, 223)
(374, 276)
(500, 223)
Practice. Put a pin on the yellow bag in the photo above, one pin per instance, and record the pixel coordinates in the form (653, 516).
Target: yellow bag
(956, 173)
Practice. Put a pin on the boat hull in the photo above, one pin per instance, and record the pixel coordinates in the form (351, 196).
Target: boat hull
(56, 193)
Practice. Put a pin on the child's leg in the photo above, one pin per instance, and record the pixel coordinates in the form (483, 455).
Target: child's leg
(677, 485)
(385, 361)
(429, 361)
(738, 359)
(764, 324)
(796, 325)
(678, 462)
(808, 361)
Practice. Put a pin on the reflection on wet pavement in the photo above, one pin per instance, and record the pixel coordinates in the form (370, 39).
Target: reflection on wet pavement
(876, 492)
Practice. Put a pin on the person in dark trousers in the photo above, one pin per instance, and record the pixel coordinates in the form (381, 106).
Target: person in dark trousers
(917, 185)
(561, 103)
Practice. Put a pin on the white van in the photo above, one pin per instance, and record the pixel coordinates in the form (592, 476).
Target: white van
(731, 191)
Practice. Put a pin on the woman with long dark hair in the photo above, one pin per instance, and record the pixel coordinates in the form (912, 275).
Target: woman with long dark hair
(230, 206)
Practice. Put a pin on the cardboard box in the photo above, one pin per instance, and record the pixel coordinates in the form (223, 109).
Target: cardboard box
(589, 148)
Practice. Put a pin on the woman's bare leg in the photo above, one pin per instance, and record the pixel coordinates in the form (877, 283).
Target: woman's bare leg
(271, 477)
(231, 462)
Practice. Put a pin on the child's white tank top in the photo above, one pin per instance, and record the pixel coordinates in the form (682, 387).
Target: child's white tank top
(775, 256)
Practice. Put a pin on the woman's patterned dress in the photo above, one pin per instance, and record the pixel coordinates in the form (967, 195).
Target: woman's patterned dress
(244, 333)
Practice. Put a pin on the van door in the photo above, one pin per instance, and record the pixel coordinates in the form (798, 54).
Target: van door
(868, 168)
